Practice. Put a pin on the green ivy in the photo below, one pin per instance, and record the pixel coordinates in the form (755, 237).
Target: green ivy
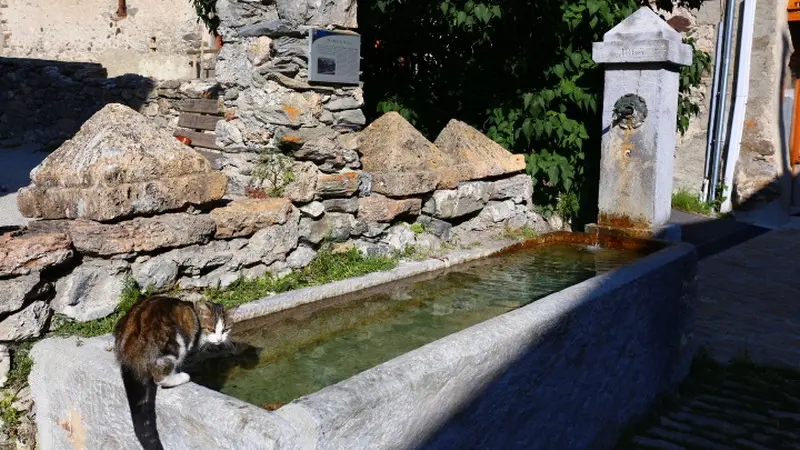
(521, 71)
(691, 77)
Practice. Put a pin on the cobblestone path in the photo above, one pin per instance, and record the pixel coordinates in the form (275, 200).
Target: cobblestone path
(738, 406)
(749, 300)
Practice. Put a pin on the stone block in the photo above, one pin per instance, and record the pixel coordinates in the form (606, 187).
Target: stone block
(136, 235)
(342, 205)
(377, 208)
(314, 210)
(476, 155)
(91, 291)
(334, 227)
(518, 188)
(118, 166)
(404, 184)
(244, 217)
(25, 324)
(465, 199)
(337, 184)
(304, 186)
(21, 290)
(21, 254)
(438, 228)
(301, 257)
(270, 244)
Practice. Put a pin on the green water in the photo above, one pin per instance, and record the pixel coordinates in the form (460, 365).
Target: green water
(291, 354)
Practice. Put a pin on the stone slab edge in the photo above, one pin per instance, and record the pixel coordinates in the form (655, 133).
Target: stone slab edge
(292, 299)
(76, 384)
(399, 403)
(670, 232)
(80, 403)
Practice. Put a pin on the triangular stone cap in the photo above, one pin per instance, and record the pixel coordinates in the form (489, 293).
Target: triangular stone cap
(642, 25)
(643, 37)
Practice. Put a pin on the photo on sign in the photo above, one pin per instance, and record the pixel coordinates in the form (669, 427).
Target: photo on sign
(326, 66)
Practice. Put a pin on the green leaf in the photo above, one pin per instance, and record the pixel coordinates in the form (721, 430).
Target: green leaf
(527, 129)
(527, 99)
(576, 59)
(592, 6)
(552, 174)
(548, 128)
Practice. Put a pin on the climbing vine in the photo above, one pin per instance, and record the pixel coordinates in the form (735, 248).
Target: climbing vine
(521, 71)
(691, 78)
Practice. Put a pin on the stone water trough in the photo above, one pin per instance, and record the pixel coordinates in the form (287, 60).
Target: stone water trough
(568, 371)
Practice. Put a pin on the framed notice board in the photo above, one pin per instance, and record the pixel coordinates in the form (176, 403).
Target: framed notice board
(334, 56)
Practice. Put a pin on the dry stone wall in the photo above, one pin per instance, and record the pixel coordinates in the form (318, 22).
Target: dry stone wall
(271, 108)
(123, 198)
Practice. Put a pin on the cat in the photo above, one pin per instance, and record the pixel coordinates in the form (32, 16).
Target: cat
(150, 343)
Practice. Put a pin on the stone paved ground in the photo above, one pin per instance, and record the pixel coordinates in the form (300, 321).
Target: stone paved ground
(749, 300)
(15, 167)
(739, 406)
(744, 389)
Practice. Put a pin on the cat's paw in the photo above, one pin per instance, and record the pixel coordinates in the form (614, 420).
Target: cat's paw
(184, 377)
(176, 379)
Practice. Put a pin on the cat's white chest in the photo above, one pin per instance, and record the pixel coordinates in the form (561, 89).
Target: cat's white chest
(183, 347)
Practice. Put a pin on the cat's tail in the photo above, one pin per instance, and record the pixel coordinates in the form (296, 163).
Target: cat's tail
(142, 401)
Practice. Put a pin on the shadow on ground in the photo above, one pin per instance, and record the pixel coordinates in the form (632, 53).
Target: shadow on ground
(45, 102)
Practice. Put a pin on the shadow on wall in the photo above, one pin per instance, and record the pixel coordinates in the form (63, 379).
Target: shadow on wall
(44, 102)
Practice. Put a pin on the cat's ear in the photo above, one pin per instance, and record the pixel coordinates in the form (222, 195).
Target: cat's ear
(203, 308)
(231, 312)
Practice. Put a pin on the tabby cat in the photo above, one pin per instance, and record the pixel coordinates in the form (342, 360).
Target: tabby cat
(151, 342)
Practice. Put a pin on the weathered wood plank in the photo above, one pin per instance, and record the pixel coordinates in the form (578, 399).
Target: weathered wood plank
(198, 122)
(200, 105)
(203, 140)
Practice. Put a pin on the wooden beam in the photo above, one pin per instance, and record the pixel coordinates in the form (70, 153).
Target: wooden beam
(122, 9)
(204, 106)
(198, 121)
(203, 140)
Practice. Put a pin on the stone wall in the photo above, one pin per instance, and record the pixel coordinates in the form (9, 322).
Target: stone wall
(762, 171)
(45, 102)
(124, 198)
(701, 25)
(271, 106)
(154, 40)
(762, 159)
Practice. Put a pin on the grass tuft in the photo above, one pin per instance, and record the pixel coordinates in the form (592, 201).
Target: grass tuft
(687, 201)
(21, 364)
(327, 267)
(520, 234)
